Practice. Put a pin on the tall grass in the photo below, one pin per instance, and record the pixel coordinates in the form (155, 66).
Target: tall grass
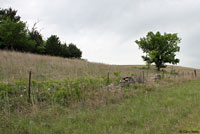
(15, 66)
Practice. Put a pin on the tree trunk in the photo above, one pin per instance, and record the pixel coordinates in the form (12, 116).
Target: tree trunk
(158, 67)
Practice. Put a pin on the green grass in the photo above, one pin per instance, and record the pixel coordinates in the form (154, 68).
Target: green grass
(160, 111)
(14, 95)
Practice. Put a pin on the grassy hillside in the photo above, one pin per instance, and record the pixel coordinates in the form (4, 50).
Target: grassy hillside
(15, 66)
(75, 96)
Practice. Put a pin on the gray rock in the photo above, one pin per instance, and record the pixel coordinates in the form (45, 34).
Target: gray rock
(126, 80)
(157, 77)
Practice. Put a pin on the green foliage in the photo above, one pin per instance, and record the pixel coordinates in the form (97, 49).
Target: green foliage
(138, 86)
(117, 78)
(117, 74)
(62, 96)
(14, 36)
(65, 50)
(56, 48)
(174, 72)
(14, 95)
(159, 49)
(9, 13)
(144, 68)
(36, 36)
(132, 74)
(13, 32)
(40, 49)
(53, 45)
(74, 52)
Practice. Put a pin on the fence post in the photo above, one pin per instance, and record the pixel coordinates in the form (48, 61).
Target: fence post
(195, 73)
(147, 73)
(108, 79)
(163, 74)
(143, 76)
(29, 88)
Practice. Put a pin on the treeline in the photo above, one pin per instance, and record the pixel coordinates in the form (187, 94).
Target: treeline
(15, 35)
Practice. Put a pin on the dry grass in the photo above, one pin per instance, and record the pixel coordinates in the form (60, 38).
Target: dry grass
(15, 66)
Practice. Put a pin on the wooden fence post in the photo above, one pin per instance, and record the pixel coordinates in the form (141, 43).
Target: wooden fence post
(147, 73)
(143, 76)
(29, 88)
(163, 74)
(108, 79)
(195, 73)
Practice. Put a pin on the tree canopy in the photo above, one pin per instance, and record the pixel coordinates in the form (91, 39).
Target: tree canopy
(15, 35)
(9, 13)
(36, 36)
(159, 49)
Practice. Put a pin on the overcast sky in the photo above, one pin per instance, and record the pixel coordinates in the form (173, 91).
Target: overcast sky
(106, 30)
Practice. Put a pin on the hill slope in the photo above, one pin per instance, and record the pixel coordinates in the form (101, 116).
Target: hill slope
(15, 66)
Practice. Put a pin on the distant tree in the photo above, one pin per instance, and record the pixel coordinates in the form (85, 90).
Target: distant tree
(159, 49)
(65, 51)
(53, 46)
(13, 36)
(74, 52)
(37, 37)
(9, 13)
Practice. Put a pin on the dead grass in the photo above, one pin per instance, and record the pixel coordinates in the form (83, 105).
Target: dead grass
(15, 66)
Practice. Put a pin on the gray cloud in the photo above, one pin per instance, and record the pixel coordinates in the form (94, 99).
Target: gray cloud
(106, 30)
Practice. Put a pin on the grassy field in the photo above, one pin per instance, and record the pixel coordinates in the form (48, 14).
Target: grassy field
(75, 96)
(16, 66)
(161, 111)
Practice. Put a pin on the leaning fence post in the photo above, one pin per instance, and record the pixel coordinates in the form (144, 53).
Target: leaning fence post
(29, 88)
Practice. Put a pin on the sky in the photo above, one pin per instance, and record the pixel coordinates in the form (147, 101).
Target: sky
(106, 30)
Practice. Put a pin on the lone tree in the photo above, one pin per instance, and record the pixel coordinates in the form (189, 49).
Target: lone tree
(159, 49)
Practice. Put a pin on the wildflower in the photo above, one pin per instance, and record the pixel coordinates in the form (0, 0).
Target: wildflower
(81, 104)
(5, 71)
(49, 89)
(21, 95)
